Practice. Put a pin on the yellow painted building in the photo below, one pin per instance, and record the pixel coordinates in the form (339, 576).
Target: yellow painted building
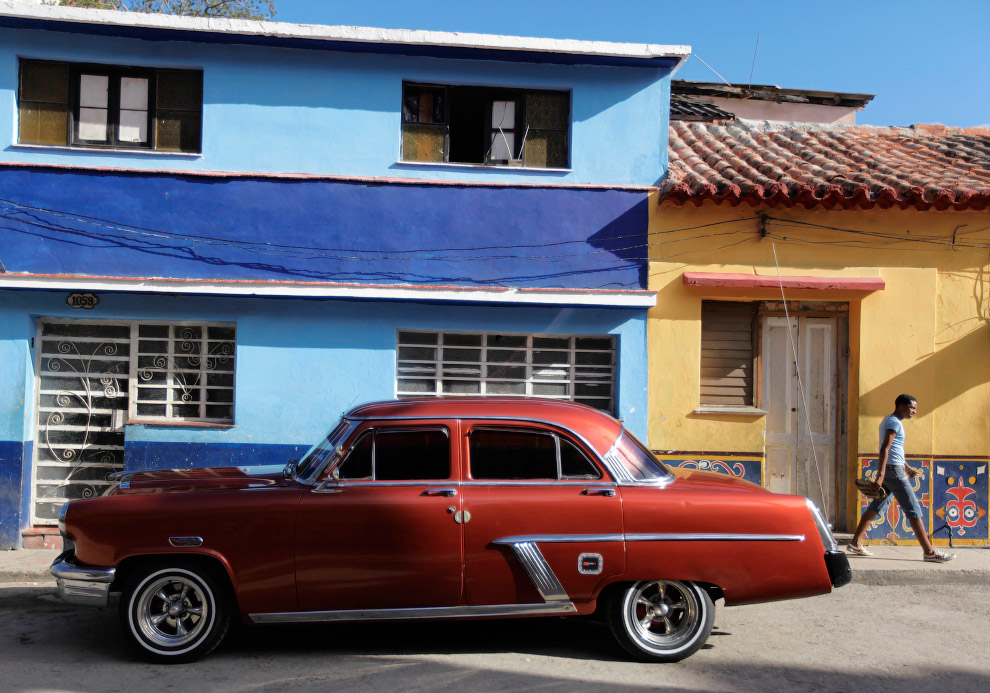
(806, 276)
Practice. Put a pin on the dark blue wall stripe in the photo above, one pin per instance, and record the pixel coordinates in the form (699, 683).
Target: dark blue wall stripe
(144, 456)
(12, 503)
(182, 226)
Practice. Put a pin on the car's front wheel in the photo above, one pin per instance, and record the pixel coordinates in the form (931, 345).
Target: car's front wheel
(175, 611)
(661, 620)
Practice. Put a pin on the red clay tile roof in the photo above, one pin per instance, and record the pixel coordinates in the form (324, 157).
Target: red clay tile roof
(846, 166)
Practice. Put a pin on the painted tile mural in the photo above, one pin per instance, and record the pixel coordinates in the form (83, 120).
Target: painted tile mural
(959, 501)
(893, 525)
(749, 467)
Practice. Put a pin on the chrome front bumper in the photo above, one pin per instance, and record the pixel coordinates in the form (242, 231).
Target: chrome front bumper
(77, 585)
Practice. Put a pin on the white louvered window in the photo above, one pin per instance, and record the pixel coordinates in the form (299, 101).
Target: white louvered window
(184, 372)
(568, 367)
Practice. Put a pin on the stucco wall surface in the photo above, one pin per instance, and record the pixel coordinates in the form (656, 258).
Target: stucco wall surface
(301, 363)
(277, 110)
(927, 333)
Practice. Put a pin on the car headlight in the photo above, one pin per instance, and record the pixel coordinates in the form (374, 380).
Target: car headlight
(823, 529)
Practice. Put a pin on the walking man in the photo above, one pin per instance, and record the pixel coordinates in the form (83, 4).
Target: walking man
(893, 473)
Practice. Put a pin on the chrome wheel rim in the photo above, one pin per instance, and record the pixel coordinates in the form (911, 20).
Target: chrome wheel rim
(663, 616)
(172, 611)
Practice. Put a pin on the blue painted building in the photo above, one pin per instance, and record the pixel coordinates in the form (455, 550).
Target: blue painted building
(216, 236)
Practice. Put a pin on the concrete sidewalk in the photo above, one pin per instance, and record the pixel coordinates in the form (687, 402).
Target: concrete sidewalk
(889, 565)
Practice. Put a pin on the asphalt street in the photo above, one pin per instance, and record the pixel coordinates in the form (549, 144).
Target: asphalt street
(927, 637)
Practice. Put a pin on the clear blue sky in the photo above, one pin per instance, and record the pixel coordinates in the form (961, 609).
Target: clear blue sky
(927, 61)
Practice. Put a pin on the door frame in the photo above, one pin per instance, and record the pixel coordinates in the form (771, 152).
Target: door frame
(820, 309)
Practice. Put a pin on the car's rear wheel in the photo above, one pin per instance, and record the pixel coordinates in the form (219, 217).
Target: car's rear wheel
(661, 620)
(175, 611)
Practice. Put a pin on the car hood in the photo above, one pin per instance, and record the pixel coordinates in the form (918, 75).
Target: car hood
(711, 481)
(201, 479)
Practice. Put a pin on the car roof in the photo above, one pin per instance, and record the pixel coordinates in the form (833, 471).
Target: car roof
(596, 427)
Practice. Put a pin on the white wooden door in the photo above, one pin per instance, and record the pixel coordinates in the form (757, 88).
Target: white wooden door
(801, 426)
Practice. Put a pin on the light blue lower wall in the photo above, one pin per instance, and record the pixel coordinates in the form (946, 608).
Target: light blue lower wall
(302, 363)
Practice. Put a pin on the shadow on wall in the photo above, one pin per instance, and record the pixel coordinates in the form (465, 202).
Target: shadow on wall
(957, 369)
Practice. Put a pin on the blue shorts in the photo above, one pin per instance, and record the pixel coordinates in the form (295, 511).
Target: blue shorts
(898, 486)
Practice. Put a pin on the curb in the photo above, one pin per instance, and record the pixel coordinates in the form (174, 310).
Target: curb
(881, 577)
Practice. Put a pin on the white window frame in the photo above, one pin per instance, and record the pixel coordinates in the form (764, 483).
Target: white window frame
(570, 377)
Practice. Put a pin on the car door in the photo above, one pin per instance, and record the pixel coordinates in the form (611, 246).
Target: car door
(380, 533)
(542, 519)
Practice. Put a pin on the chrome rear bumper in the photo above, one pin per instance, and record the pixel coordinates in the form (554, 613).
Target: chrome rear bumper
(88, 586)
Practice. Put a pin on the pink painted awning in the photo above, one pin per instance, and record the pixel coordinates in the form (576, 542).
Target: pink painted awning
(770, 281)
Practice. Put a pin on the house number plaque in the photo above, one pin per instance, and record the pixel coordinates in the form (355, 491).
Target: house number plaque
(87, 301)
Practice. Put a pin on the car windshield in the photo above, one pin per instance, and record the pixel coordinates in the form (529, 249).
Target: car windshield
(636, 460)
(322, 452)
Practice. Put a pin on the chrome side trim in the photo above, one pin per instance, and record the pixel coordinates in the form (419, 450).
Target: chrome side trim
(592, 538)
(714, 537)
(89, 586)
(539, 571)
(557, 539)
(331, 486)
(563, 606)
(185, 542)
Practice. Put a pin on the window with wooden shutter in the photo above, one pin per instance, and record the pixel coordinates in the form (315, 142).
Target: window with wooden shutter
(727, 353)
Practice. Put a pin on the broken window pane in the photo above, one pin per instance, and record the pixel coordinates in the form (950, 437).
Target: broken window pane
(504, 115)
(423, 105)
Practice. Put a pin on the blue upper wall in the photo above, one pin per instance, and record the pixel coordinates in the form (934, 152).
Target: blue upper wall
(278, 110)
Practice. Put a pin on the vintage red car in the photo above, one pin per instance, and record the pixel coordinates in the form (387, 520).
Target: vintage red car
(444, 508)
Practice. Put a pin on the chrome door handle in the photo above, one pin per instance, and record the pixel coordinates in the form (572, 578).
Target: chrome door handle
(449, 492)
(598, 492)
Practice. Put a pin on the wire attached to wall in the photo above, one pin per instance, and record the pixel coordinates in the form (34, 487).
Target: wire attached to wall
(800, 382)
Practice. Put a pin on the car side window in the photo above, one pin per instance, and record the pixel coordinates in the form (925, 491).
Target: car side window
(357, 464)
(399, 455)
(574, 464)
(513, 454)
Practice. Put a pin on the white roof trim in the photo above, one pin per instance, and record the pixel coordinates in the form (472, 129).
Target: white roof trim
(494, 294)
(318, 32)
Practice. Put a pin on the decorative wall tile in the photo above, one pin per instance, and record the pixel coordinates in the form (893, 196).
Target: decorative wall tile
(960, 500)
(893, 525)
(749, 468)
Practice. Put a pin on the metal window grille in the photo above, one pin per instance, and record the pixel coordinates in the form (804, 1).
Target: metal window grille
(568, 367)
(184, 372)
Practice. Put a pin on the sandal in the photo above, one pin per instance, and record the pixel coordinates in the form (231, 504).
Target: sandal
(860, 551)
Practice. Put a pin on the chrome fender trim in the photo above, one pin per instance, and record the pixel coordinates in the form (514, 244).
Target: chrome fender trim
(437, 612)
